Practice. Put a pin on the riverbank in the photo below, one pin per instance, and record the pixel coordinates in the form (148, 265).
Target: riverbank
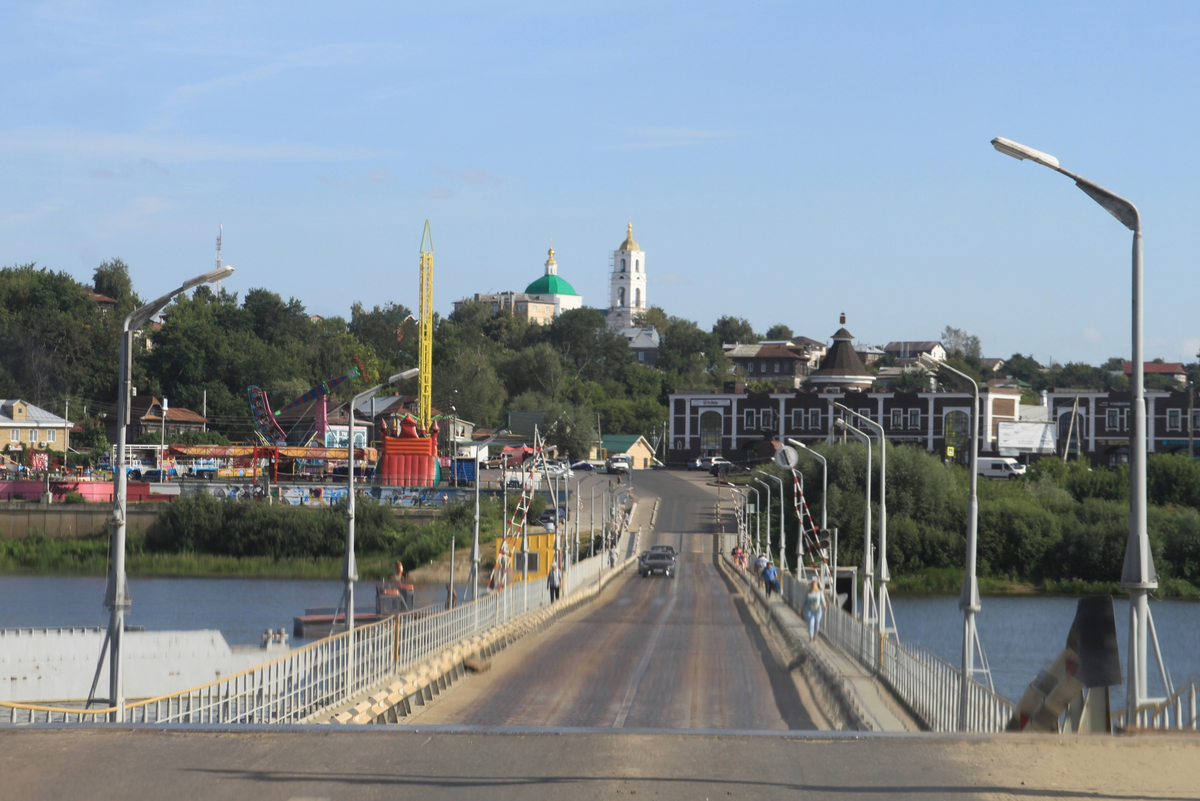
(89, 557)
(948, 581)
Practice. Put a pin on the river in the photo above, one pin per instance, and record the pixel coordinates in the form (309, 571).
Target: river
(1021, 634)
(239, 608)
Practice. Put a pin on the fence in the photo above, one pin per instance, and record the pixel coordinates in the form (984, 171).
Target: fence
(317, 677)
(926, 683)
(1176, 712)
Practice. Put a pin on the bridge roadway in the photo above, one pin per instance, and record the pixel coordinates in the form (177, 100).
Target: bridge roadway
(656, 653)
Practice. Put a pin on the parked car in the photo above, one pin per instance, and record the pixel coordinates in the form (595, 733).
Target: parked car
(719, 466)
(154, 476)
(583, 466)
(1003, 467)
(703, 462)
(651, 562)
(559, 471)
(621, 463)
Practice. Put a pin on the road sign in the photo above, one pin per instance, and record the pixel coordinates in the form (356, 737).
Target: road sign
(787, 457)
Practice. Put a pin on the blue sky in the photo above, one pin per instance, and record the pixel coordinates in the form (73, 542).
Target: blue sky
(782, 162)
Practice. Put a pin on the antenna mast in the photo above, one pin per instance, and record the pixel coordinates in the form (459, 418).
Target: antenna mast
(220, 233)
(425, 335)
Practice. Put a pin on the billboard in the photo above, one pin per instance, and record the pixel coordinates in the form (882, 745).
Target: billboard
(1027, 437)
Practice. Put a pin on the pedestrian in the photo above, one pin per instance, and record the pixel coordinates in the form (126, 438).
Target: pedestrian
(451, 597)
(770, 577)
(612, 556)
(554, 582)
(814, 609)
(760, 564)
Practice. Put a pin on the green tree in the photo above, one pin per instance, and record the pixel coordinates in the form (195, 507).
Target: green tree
(730, 330)
(779, 331)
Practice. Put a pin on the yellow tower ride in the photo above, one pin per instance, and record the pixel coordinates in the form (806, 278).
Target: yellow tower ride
(425, 333)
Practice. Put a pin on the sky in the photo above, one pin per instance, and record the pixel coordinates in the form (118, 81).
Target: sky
(782, 162)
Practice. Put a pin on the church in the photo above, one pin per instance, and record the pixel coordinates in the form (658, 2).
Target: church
(627, 284)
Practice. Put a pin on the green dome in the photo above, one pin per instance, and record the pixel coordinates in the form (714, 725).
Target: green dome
(550, 285)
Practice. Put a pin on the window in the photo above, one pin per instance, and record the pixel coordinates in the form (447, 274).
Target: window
(777, 367)
(1124, 419)
(33, 435)
(749, 419)
(1174, 419)
(52, 435)
(914, 418)
(637, 266)
(797, 419)
(814, 418)
(641, 356)
(897, 418)
(14, 435)
(621, 297)
(1113, 419)
(750, 367)
(637, 297)
(622, 265)
(1196, 418)
(710, 431)
(767, 419)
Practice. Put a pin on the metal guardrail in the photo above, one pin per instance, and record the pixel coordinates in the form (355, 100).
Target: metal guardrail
(926, 683)
(309, 680)
(1177, 712)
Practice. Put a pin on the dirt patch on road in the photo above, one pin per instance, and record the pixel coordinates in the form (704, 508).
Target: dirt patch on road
(1030, 766)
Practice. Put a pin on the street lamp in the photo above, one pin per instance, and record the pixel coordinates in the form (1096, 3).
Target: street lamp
(475, 536)
(349, 565)
(782, 526)
(116, 594)
(968, 601)
(885, 604)
(868, 568)
(1138, 574)
(782, 542)
(758, 522)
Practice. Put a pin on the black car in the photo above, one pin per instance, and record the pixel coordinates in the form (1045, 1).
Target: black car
(651, 562)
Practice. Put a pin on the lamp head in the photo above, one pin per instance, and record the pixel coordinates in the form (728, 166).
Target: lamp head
(401, 376)
(1020, 152)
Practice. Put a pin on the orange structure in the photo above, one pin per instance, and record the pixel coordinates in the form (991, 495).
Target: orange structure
(409, 459)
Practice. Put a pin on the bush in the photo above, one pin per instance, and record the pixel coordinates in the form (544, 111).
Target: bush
(74, 497)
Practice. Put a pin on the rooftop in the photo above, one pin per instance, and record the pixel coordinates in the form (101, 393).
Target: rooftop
(550, 285)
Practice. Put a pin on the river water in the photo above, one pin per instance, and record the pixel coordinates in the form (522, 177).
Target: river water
(1021, 634)
(239, 608)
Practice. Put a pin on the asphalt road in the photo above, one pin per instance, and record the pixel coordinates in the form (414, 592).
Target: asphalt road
(659, 653)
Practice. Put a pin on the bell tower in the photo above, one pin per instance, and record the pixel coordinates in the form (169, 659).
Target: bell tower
(627, 293)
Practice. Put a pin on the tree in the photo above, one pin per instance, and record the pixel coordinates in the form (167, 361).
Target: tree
(730, 330)
(961, 344)
(471, 380)
(111, 279)
(779, 331)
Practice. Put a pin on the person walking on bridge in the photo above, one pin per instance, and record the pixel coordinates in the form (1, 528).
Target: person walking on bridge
(814, 609)
(554, 581)
(761, 564)
(770, 578)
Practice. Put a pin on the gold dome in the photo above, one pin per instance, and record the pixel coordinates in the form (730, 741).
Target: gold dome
(550, 260)
(629, 243)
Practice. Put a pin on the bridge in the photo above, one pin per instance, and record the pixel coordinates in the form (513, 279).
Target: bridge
(697, 686)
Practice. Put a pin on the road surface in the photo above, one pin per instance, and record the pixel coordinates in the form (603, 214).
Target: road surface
(657, 653)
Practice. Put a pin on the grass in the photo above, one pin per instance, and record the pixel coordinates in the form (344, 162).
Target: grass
(38, 555)
(948, 581)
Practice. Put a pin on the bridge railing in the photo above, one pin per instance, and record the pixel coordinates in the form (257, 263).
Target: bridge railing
(1176, 712)
(309, 680)
(925, 682)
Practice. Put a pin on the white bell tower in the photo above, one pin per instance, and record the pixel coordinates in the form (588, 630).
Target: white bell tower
(627, 294)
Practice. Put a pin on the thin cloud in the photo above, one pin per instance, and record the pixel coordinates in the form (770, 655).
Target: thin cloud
(672, 137)
(471, 176)
(438, 193)
(154, 149)
(665, 279)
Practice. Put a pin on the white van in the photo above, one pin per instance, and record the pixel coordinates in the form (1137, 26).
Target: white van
(1002, 467)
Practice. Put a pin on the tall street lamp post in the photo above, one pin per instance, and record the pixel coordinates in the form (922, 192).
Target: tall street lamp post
(758, 522)
(349, 565)
(782, 527)
(868, 567)
(116, 594)
(1138, 574)
(782, 557)
(475, 536)
(968, 601)
(884, 603)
